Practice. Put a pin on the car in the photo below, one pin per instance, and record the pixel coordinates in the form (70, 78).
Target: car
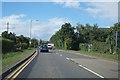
(44, 48)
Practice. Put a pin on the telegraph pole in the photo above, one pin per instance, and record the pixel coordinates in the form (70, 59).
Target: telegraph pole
(30, 28)
(7, 26)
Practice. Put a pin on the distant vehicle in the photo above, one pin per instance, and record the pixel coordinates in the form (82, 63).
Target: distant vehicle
(44, 48)
(50, 45)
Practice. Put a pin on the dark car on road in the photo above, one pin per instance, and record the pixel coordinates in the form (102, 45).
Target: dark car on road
(44, 48)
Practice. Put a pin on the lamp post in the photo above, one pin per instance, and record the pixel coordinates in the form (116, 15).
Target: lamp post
(30, 33)
(31, 21)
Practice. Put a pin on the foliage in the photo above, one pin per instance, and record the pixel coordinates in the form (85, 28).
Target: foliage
(7, 45)
(101, 47)
(83, 46)
(65, 38)
(11, 42)
(34, 43)
(102, 39)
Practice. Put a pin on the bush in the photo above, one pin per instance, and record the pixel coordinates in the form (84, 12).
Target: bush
(23, 45)
(83, 46)
(101, 47)
(7, 45)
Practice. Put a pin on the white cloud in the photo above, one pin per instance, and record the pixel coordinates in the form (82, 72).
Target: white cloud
(59, 0)
(57, 21)
(107, 10)
(12, 19)
(16, 23)
(69, 3)
(100, 9)
(40, 29)
(45, 30)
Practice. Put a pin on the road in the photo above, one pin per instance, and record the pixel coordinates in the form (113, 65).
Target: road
(59, 64)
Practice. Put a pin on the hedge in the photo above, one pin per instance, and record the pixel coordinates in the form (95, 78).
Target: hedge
(7, 45)
(101, 47)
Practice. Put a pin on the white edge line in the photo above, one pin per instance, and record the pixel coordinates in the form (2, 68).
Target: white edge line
(91, 71)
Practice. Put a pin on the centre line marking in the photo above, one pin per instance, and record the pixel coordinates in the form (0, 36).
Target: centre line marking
(68, 58)
(91, 71)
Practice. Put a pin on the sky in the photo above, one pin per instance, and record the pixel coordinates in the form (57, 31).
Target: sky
(47, 17)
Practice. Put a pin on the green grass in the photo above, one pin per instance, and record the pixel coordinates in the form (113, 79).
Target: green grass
(13, 57)
(0, 62)
(102, 55)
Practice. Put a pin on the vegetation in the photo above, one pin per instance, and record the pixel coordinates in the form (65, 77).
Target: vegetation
(87, 37)
(97, 54)
(15, 48)
(65, 38)
(13, 57)
(13, 43)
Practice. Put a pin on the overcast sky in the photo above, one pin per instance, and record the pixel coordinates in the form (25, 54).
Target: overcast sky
(51, 15)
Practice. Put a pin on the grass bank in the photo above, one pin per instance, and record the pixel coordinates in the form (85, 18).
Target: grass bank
(97, 54)
(0, 62)
(13, 57)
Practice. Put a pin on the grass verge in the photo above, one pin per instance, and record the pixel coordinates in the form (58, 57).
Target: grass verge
(0, 62)
(97, 54)
(11, 58)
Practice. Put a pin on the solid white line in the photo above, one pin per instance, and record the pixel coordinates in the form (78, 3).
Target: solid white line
(92, 71)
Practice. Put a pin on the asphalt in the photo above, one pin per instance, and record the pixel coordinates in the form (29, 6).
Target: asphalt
(106, 68)
(53, 65)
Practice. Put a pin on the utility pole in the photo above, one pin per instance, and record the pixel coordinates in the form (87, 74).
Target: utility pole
(30, 28)
(116, 39)
(30, 32)
(7, 26)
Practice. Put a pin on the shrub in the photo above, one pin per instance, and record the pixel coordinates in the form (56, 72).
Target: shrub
(23, 45)
(101, 47)
(83, 46)
(7, 45)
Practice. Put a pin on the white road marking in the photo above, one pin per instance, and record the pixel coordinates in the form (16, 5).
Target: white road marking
(61, 55)
(71, 59)
(92, 71)
(44, 53)
(48, 53)
(68, 58)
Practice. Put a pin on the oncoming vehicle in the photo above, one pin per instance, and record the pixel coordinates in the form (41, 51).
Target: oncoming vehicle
(44, 48)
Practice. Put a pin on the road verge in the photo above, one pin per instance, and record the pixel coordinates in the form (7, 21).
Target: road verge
(7, 73)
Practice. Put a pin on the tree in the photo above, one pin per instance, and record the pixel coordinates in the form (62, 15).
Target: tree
(34, 43)
(65, 38)
(12, 37)
(5, 34)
